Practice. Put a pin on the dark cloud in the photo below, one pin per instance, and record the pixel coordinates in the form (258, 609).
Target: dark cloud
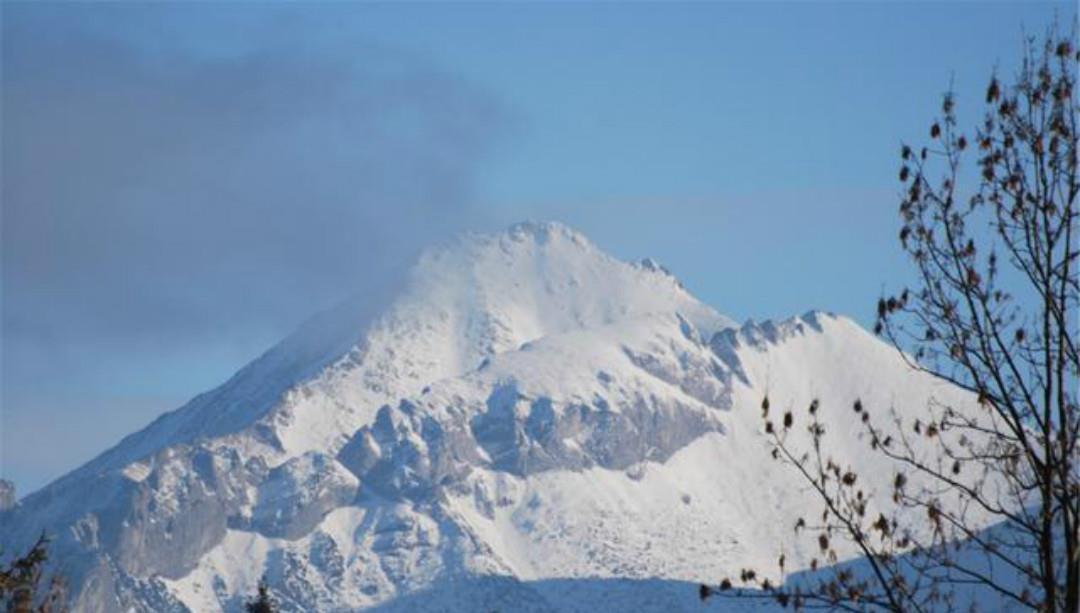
(160, 196)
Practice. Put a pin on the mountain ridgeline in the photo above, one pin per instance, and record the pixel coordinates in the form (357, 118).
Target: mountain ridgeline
(529, 424)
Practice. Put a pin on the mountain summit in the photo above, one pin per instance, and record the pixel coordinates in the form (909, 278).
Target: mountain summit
(527, 424)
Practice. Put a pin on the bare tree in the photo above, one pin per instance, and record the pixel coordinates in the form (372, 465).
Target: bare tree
(994, 312)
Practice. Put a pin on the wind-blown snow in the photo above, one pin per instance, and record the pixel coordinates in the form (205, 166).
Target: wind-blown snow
(528, 410)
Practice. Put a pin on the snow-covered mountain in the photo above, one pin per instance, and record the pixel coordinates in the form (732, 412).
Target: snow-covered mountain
(529, 424)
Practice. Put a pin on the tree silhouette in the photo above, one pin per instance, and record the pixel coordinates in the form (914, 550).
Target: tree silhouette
(263, 602)
(23, 588)
(994, 312)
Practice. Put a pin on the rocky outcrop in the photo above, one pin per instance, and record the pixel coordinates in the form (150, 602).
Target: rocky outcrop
(295, 496)
(7, 495)
(525, 436)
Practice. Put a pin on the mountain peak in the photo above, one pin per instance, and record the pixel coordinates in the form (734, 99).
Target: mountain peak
(544, 277)
(543, 231)
(519, 408)
(464, 302)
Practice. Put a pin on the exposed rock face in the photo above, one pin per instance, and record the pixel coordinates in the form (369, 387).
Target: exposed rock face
(407, 454)
(295, 496)
(7, 495)
(525, 436)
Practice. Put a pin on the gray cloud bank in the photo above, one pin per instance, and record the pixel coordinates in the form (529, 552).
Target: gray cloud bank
(164, 199)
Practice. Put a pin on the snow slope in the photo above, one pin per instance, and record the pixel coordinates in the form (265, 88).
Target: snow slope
(528, 422)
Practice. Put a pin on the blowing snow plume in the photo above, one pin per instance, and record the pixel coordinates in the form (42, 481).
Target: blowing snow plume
(174, 181)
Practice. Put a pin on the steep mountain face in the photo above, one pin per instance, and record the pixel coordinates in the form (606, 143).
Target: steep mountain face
(529, 425)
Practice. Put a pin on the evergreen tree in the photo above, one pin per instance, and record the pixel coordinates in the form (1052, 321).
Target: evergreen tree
(263, 602)
(23, 588)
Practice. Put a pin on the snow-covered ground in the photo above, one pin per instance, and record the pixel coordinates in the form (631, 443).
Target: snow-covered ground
(529, 425)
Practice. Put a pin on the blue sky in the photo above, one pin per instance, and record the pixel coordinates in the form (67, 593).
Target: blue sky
(185, 184)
